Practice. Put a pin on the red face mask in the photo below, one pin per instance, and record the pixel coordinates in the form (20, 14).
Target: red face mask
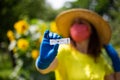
(80, 32)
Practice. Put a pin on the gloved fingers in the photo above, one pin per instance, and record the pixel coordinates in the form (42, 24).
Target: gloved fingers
(56, 47)
(59, 37)
(56, 36)
(50, 35)
(53, 36)
(46, 34)
(52, 53)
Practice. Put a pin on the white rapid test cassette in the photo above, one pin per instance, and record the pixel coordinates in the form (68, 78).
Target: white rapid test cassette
(60, 41)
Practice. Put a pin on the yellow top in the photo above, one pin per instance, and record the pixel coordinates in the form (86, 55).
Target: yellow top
(73, 65)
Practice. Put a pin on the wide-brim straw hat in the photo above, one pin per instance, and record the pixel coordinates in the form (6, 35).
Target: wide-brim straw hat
(65, 19)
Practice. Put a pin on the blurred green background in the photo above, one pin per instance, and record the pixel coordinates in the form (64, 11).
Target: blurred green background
(22, 24)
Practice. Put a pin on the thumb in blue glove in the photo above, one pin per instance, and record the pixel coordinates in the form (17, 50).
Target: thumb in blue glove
(114, 57)
(47, 52)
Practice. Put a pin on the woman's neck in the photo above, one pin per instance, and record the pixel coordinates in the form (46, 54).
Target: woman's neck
(83, 46)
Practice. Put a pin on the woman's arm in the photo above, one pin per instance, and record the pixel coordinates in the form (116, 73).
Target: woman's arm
(115, 62)
(109, 77)
(46, 60)
(52, 67)
(114, 57)
(117, 76)
(114, 76)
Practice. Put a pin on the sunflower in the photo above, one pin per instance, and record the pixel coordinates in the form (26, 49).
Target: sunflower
(35, 54)
(10, 35)
(21, 26)
(22, 44)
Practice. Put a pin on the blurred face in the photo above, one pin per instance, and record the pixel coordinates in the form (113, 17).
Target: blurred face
(80, 30)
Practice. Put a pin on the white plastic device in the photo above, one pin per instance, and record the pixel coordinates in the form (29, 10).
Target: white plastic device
(60, 41)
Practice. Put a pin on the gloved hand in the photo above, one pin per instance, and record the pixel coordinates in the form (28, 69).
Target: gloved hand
(114, 57)
(47, 52)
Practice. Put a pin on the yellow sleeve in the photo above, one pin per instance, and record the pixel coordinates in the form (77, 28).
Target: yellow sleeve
(107, 64)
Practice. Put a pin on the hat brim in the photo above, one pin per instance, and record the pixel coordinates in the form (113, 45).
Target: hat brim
(66, 18)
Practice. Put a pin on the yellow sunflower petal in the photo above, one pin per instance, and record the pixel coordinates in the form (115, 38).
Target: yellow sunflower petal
(35, 54)
(21, 26)
(22, 44)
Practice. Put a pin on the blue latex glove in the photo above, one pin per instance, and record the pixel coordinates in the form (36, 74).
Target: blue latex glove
(47, 52)
(114, 57)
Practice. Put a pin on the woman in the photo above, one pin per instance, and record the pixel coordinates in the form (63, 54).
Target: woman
(83, 58)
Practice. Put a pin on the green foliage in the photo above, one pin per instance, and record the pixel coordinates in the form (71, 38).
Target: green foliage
(20, 73)
(102, 6)
(115, 24)
(13, 10)
(26, 54)
(77, 4)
